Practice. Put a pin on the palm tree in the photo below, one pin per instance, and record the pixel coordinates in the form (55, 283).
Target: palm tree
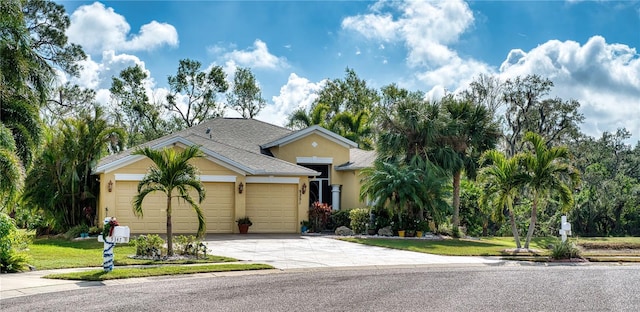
(502, 181)
(548, 175)
(469, 131)
(11, 172)
(171, 174)
(404, 188)
(60, 183)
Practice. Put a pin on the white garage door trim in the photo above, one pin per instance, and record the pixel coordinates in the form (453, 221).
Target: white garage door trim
(203, 178)
(273, 180)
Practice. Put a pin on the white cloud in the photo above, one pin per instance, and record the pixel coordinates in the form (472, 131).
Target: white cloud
(603, 77)
(97, 75)
(299, 92)
(98, 28)
(425, 27)
(255, 57)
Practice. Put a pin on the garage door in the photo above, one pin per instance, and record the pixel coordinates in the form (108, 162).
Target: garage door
(217, 208)
(272, 208)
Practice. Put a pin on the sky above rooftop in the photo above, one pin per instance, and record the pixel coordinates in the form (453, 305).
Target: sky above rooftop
(589, 49)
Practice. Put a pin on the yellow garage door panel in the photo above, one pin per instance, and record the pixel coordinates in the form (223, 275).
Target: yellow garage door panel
(272, 208)
(217, 208)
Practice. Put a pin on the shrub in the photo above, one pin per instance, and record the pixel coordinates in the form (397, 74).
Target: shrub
(12, 243)
(76, 230)
(359, 220)
(565, 250)
(189, 246)
(150, 245)
(340, 218)
(319, 214)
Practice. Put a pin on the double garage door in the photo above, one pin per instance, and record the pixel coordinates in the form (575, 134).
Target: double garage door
(271, 207)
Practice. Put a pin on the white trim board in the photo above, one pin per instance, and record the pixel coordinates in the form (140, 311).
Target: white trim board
(273, 180)
(315, 160)
(203, 178)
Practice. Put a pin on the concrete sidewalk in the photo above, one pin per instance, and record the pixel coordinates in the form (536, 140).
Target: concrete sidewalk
(284, 252)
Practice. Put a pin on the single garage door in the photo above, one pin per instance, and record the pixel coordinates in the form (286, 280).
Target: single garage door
(217, 208)
(272, 207)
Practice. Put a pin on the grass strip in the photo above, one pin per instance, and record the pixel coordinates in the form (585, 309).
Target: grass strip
(59, 253)
(121, 273)
(494, 246)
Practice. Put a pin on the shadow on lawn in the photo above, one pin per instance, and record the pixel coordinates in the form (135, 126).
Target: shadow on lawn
(91, 243)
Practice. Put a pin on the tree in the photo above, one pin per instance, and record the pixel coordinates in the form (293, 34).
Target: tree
(245, 96)
(133, 110)
(342, 106)
(502, 179)
(32, 45)
(469, 130)
(11, 171)
(68, 101)
(406, 189)
(61, 184)
(172, 173)
(548, 175)
(193, 93)
(609, 196)
(407, 124)
(556, 120)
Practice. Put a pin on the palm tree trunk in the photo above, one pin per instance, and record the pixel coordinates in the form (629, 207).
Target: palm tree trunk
(534, 218)
(514, 229)
(169, 228)
(456, 203)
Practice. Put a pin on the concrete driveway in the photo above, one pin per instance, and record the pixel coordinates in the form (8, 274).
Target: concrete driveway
(296, 252)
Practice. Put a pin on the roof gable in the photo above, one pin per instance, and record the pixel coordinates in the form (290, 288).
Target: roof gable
(308, 131)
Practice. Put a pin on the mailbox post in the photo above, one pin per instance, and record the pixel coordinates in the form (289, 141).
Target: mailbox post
(114, 234)
(565, 228)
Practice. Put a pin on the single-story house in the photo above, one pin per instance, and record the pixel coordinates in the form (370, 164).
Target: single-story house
(251, 168)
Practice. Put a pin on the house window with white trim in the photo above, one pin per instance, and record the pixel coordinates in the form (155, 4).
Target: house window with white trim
(319, 186)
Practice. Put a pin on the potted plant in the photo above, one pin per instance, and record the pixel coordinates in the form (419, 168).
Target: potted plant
(422, 227)
(244, 224)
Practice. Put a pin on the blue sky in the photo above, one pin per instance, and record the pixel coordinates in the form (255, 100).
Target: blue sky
(588, 48)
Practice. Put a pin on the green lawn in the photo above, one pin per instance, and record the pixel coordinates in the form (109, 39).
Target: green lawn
(58, 253)
(120, 273)
(495, 246)
(454, 247)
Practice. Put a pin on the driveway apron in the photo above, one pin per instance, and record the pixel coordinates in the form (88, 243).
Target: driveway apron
(296, 252)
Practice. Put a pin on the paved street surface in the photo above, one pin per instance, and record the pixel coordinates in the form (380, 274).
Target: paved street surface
(500, 287)
(285, 252)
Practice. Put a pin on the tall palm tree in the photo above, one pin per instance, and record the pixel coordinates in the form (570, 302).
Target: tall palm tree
(549, 174)
(171, 174)
(502, 179)
(469, 130)
(11, 172)
(60, 183)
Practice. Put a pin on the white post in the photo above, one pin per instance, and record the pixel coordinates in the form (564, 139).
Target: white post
(565, 228)
(335, 196)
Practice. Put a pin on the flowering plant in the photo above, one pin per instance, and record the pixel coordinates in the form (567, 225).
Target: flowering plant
(319, 214)
(108, 228)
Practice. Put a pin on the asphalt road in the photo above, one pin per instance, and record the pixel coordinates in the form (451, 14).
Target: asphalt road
(444, 288)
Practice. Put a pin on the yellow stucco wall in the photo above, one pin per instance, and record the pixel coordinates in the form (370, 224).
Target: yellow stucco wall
(350, 197)
(325, 147)
(111, 201)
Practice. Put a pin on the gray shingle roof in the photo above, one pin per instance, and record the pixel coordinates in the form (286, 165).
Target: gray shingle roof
(232, 140)
(359, 159)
